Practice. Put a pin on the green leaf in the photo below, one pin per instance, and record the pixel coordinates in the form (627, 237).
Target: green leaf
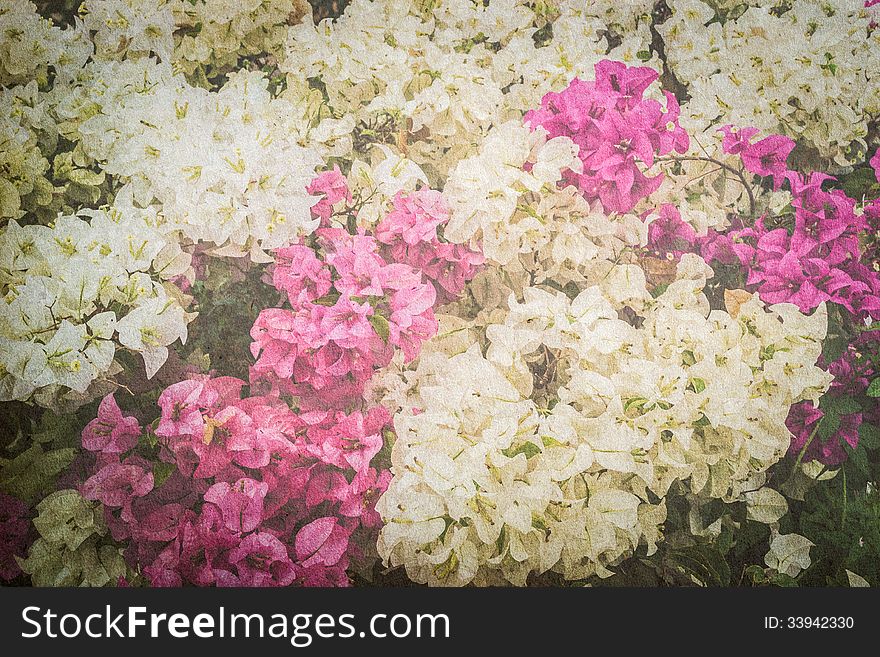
(381, 326)
(660, 289)
(698, 385)
(765, 505)
(57, 430)
(869, 436)
(781, 579)
(30, 474)
(834, 408)
(161, 472)
(756, 574)
(839, 405)
(858, 458)
(527, 448)
(86, 178)
(828, 426)
(874, 388)
(834, 346)
(860, 182)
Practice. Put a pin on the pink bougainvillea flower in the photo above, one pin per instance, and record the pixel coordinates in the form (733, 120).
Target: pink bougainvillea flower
(628, 82)
(181, 412)
(736, 140)
(875, 164)
(111, 432)
(334, 187)
(117, 484)
(350, 440)
(321, 542)
(259, 560)
(768, 156)
(618, 132)
(414, 217)
(668, 233)
(359, 498)
(241, 503)
(300, 274)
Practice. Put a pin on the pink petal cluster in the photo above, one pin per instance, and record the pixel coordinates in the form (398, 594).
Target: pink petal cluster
(409, 235)
(332, 187)
(669, 234)
(766, 157)
(254, 493)
(803, 422)
(853, 372)
(356, 298)
(820, 257)
(875, 164)
(619, 133)
(335, 334)
(822, 253)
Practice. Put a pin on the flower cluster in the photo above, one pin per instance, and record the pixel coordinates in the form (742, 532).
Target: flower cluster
(70, 549)
(430, 79)
(190, 33)
(821, 87)
(33, 48)
(545, 453)
(408, 234)
(221, 166)
(354, 299)
(247, 491)
(243, 492)
(78, 291)
(539, 431)
(25, 127)
(814, 257)
(853, 372)
(616, 130)
(520, 299)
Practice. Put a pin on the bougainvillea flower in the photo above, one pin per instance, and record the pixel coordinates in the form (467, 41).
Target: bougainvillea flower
(768, 156)
(111, 432)
(241, 503)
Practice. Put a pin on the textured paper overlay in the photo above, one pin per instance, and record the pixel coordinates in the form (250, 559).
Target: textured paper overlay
(439, 292)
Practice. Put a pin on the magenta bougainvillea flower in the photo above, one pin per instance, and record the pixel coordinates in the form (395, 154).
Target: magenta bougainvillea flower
(110, 432)
(332, 187)
(618, 132)
(668, 234)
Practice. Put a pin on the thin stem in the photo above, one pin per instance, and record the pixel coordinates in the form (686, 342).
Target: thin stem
(726, 167)
(800, 456)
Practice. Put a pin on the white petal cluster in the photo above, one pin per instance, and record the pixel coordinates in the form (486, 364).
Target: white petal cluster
(555, 447)
(26, 130)
(221, 166)
(129, 28)
(190, 33)
(810, 71)
(524, 222)
(31, 47)
(218, 32)
(76, 292)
